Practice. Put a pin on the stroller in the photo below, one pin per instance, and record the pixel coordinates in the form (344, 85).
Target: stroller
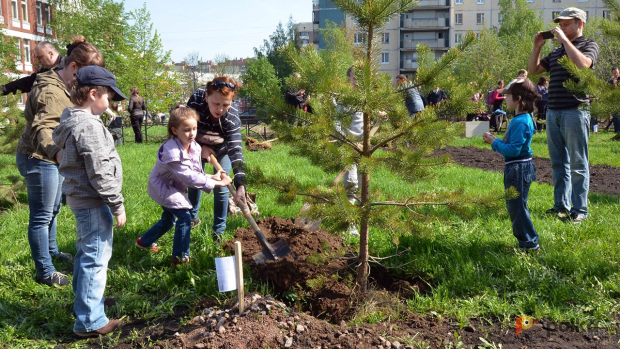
(498, 118)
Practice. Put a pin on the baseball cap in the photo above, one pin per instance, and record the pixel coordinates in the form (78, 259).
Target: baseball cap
(571, 13)
(94, 75)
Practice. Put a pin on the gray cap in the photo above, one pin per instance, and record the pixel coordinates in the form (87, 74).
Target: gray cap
(571, 13)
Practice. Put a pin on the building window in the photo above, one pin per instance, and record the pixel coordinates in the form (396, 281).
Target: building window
(24, 11)
(557, 0)
(458, 38)
(27, 51)
(500, 19)
(529, 0)
(458, 18)
(18, 58)
(14, 12)
(48, 14)
(606, 15)
(479, 18)
(359, 38)
(385, 58)
(555, 14)
(583, 0)
(39, 13)
(458, 2)
(386, 38)
(480, 2)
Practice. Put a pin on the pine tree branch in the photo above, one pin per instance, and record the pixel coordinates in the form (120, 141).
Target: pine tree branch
(408, 204)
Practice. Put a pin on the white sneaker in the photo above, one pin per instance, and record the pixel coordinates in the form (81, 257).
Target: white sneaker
(353, 230)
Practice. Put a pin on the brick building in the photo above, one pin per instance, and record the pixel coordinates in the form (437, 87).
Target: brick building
(28, 22)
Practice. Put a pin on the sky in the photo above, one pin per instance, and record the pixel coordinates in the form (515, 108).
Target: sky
(213, 27)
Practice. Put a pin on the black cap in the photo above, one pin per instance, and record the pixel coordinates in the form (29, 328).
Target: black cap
(94, 75)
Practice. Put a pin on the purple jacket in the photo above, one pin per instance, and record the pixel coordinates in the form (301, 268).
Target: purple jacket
(176, 170)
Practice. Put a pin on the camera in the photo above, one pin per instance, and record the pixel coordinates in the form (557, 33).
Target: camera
(547, 35)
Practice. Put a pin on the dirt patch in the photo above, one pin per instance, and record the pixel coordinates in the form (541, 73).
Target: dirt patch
(321, 274)
(603, 179)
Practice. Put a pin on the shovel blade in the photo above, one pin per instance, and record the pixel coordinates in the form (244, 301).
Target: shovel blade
(277, 250)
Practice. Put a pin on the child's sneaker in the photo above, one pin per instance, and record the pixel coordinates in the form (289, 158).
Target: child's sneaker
(353, 230)
(184, 260)
(153, 247)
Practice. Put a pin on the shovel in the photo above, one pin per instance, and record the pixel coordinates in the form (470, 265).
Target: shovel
(275, 251)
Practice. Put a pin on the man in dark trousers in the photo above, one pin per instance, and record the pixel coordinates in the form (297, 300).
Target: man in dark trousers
(436, 96)
(46, 54)
(568, 114)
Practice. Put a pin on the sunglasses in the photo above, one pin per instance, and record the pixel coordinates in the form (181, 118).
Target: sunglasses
(219, 84)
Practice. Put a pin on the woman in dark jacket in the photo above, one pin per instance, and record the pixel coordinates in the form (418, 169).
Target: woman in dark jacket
(136, 113)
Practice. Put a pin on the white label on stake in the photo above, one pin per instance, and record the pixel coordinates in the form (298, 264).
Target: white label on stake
(225, 270)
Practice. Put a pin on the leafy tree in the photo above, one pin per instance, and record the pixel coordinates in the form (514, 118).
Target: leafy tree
(505, 50)
(275, 49)
(189, 77)
(323, 74)
(102, 23)
(11, 119)
(147, 63)
(224, 66)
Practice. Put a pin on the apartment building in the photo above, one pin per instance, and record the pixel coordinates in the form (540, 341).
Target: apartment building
(476, 15)
(304, 32)
(28, 22)
(439, 24)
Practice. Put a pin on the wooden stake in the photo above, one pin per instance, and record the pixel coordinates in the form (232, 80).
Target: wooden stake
(239, 276)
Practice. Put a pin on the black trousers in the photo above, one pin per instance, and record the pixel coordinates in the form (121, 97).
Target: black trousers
(136, 125)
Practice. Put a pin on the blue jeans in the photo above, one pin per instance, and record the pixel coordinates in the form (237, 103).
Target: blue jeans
(220, 198)
(94, 248)
(43, 183)
(568, 131)
(520, 175)
(182, 230)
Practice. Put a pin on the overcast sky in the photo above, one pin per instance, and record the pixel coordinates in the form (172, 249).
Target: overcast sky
(214, 27)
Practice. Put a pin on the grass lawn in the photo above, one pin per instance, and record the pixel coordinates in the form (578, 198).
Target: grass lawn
(469, 260)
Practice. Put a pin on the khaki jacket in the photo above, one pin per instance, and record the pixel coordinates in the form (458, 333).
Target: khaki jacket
(46, 102)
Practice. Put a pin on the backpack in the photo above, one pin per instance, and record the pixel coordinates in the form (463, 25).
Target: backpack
(491, 97)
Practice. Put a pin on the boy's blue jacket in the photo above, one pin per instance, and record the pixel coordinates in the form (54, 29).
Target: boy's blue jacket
(518, 139)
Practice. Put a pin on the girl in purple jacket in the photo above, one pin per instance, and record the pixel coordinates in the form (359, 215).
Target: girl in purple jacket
(178, 167)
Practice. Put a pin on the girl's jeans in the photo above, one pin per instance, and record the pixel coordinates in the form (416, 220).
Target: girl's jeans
(182, 231)
(220, 198)
(520, 176)
(43, 184)
(94, 249)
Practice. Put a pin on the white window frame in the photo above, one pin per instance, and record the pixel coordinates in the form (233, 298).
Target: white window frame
(480, 2)
(27, 51)
(48, 14)
(385, 38)
(39, 13)
(500, 19)
(480, 18)
(24, 10)
(458, 2)
(583, 0)
(14, 10)
(555, 14)
(458, 37)
(456, 18)
(606, 14)
(359, 38)
(385, 58)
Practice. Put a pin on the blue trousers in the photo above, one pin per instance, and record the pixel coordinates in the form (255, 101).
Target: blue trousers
(520, 176)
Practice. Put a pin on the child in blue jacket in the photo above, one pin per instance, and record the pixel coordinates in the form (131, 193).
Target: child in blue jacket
(519, 170)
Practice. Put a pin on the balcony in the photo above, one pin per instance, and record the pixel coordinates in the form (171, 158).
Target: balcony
(431, 43)
(426, 4)
(408, 64)
(422, 24)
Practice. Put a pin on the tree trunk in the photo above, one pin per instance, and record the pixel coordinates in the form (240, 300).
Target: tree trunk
(363, 269)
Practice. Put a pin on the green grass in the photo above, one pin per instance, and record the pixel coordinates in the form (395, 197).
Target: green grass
(470, 261)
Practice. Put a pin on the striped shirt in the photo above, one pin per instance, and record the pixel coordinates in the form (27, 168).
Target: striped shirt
(228, 127)
(559, 96)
